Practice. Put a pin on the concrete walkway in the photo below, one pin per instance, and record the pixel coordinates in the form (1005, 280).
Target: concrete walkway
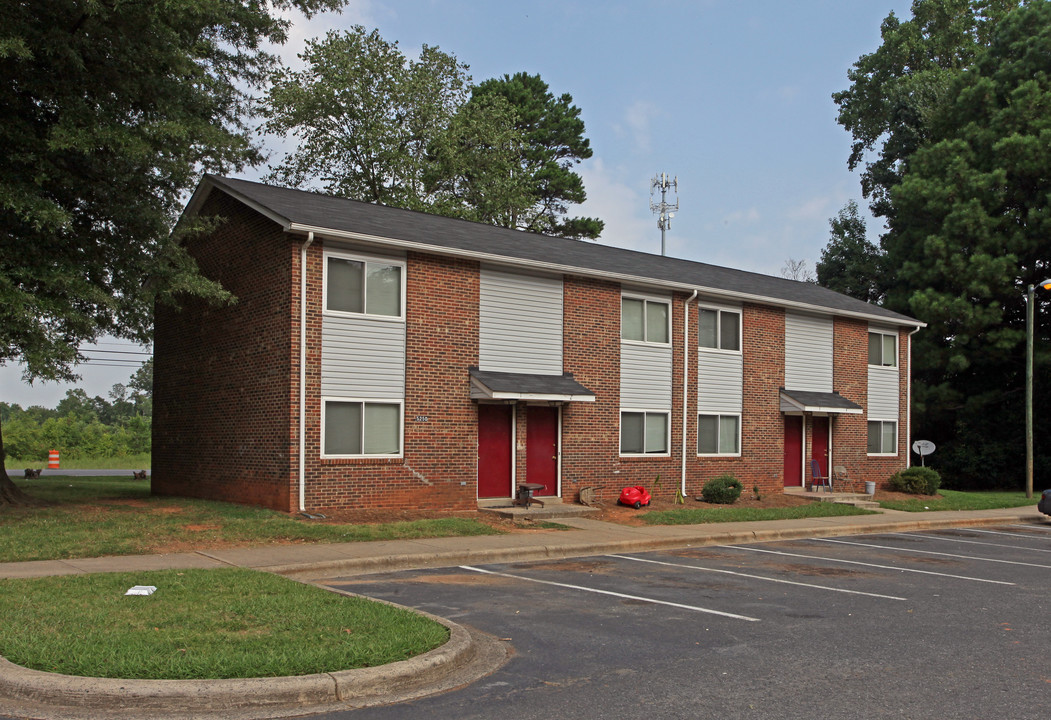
(468, 656)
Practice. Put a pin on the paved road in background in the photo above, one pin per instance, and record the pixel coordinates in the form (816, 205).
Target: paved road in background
(940, 624)
(20, 472)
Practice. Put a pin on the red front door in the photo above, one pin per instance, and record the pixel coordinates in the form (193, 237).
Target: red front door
(819, 444)
(494, 451)
(793, 451)
(542, 448)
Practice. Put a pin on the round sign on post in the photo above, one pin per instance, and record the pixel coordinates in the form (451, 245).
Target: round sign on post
(922, 448)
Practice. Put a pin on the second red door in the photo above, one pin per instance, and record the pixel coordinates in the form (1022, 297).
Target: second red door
(542, 448)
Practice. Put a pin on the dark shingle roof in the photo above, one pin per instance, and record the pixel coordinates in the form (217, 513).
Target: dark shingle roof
(300, 210)
(553, 385)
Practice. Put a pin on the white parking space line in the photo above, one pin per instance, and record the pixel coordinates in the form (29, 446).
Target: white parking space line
(930, 552)
(953, 538)
(1000, 532)
(1039, 528)
(865, 564)
(612, 594)
(758, 577)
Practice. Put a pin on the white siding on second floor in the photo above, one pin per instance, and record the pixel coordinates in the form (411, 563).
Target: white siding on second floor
(362, 358)
(883, 393)
(645, 376)
(519, 323)
(808, 352)
(720, 384)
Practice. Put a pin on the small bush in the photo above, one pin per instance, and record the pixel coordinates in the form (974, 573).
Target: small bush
(916, 481)
(723, 490)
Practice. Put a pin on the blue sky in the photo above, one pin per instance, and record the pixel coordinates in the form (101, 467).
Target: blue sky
(732, 97)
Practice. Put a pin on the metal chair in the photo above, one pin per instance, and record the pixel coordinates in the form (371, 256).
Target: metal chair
(840, 477)
(817, 479)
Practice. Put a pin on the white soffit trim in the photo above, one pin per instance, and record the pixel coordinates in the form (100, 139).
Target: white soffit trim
(480, 392)
(586, 272)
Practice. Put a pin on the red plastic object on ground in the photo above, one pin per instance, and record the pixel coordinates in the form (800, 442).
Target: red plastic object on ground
(634, 497)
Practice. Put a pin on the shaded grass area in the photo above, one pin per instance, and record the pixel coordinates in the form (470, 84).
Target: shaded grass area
(92, 517)
(201, 624)
(698, 516)
(959, 500)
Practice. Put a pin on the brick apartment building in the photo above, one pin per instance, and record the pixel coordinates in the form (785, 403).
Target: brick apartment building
(384, 358)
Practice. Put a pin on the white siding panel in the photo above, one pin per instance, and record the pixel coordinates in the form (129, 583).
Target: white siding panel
(362, 358)
(720, 382)
(520, 323)
(808, 353)
(883, 393)
(645, 377)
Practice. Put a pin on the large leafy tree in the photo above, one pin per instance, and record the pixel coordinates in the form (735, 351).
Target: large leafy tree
(554, 139)
(895, 90)
(968, 208)
(970, 231)
(374, 125)
(109, 111)
(474, 170)
(850, 263)
(364, 116)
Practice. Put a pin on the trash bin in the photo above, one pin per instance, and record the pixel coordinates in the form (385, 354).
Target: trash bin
(870, 488)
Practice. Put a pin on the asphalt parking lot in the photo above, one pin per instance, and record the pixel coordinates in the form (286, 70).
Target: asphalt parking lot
(941, 624)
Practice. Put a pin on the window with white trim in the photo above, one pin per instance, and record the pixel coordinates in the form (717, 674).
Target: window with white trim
(643, 433)
(883, 349)
(719, 329)
(718, 434)
(361, 428)
(363, 286)
(883, 437)
(645, 320)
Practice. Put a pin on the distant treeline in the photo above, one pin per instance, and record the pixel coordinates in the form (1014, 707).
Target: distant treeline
(83, 427)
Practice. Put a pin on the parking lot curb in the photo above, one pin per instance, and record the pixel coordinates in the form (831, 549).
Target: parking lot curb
(566, 548)
(467, 656)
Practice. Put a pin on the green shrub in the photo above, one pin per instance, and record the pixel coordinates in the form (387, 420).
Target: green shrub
(916, 481)
(722, 490)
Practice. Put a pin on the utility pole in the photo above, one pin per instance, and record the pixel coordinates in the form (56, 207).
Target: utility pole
(665, 211)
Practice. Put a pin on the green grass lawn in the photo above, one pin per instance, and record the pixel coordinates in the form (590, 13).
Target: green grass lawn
(697, 516)
(97, 516)
(958, 500)
(201, 624)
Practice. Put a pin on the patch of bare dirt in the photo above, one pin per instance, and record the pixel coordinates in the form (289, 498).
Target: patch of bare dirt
(612, 512)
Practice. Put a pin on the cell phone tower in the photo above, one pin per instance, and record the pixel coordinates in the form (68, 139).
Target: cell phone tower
(665, 211)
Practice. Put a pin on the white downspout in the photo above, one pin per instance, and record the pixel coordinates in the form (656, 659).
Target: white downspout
(908, 399)
(685, 380)
(303, 370)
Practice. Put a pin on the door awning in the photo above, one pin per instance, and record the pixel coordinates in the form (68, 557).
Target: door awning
(488, 385)
(817, 402)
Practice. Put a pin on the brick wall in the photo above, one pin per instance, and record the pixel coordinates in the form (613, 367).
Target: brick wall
(220, 410)
(439, 467)
(850, 432)
(762, 426)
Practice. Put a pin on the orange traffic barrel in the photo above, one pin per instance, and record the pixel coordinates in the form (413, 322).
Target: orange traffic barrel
(52, 460)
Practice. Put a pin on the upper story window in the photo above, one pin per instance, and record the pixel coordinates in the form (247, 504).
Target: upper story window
(883, 349)
(719, 329)
(363, 286)
(645, 320)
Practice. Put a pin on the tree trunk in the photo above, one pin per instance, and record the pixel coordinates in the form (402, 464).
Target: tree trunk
(10, 494)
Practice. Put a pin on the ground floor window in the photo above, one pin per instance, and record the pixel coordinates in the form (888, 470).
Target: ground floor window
(883, 437)
(353, 428)
(718, 434)
(643, 433)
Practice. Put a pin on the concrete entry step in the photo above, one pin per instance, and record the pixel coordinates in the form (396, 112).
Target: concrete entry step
(825, 496)
(552, 508)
